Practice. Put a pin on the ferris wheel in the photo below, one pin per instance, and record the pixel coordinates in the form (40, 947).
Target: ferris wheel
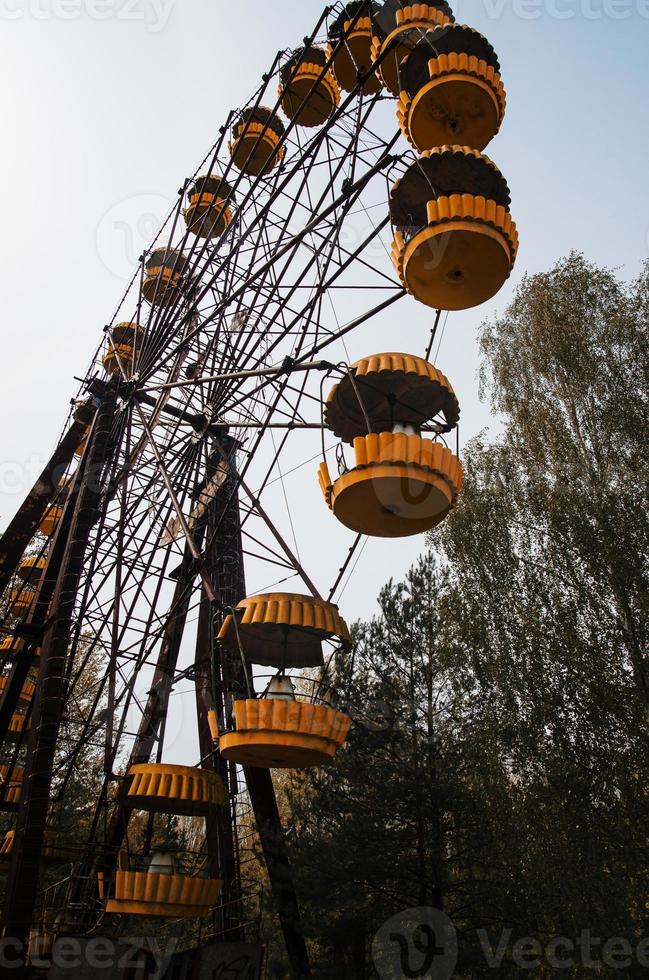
(224, 366)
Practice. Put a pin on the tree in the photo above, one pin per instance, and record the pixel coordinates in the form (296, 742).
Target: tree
(549, 557)
(387, 827)
(510, 787)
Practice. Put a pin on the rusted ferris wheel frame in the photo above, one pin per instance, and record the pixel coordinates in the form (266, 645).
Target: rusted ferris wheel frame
(248, 269)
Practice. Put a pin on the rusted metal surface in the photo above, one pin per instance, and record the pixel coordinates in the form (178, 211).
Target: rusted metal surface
(157, 704)
(24, 525)
(49, 702)
(214, 676)
(269, 826)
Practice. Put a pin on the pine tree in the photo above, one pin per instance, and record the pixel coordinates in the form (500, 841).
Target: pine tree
(505, 779)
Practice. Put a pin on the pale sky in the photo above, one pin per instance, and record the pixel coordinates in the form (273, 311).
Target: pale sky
(109, 104)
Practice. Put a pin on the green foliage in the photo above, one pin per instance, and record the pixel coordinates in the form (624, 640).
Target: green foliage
(498, 765)
(549, 557)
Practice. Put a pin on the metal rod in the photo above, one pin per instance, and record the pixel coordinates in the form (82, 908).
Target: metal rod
(433, 334)
(176, 505)
(22, 884)
(254, 500)
(344, 566)
(214, 677)
(236, 375)
(318, 219)
(158, 698)
(275, 425)
(24, 525)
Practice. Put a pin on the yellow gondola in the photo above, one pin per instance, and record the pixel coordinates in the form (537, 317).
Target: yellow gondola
(309, 93)
(6, 847)
(165, 894)
(22, 601)
(209, 213)
(401, 483)
(163, 889)
(277, 730)
(451, 90)
(56, 850)
(18, 726)
(183, 790)
(397, 29)
(390, 389)
(12, 647)
(124, 345)
(27, 691)
(254, 146)
(278, 734)
(283, 629)
(353, 58)
(54, 512)
(50, 520)
(455, 242)
(164, 271)
(11, 785)
(30, 569)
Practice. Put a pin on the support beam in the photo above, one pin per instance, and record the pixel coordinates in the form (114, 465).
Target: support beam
(256, 503)
(24, 525)
(189, 537)
(224, 563)
(289, 367)
(158, 700)
(49, 702)
(269, 825)
(229, 679)
(32, 629)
